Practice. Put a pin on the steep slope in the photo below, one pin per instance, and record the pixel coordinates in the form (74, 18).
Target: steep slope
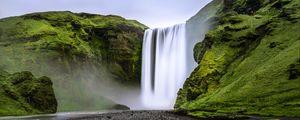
(248, 64)
(87, 56)
(21, 94)
(198, 25)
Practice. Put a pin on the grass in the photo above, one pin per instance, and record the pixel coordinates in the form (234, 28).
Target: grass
(73, 48)
(256, 55)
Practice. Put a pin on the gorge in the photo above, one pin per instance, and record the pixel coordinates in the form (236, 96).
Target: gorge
(234, 59)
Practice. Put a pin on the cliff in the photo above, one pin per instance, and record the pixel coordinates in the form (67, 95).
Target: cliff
(249, 64)
(84, 54)
(198, 25)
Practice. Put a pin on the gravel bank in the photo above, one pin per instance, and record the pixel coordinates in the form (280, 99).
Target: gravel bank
(136, 115)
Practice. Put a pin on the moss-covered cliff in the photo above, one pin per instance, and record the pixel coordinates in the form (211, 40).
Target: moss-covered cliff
(248, 64)
(84, 54)
(111, 39)
(22, 94)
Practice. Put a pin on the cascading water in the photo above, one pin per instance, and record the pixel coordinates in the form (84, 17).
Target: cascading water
(168, 57)
(164, 65)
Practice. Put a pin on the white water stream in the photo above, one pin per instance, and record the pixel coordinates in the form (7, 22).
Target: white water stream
(164, 66)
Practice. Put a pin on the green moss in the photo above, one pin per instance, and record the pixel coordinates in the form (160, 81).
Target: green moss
(248, 64)
(216, 115)
(72, 49)
(23, 94)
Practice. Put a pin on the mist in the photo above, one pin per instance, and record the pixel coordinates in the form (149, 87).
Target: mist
(79, 85)
(100, 82)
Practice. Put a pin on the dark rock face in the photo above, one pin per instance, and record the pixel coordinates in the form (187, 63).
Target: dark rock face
(248, 64)
(294, 70)
(23, 94)
(228, 4)
(120, 107)
(250, 7)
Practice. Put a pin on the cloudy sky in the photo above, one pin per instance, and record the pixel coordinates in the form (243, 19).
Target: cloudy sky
(153, 13)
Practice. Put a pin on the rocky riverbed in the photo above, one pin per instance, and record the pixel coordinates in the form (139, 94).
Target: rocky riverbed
(135, 115)
(107, 115)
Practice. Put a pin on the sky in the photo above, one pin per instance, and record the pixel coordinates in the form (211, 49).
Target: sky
(152, 13)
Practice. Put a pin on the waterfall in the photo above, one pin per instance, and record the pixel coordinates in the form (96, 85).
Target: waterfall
(164, 65)
(168, 56)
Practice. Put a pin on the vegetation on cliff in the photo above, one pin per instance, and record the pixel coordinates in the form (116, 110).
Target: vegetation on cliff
(248, 64)
(22, 94)
(111, 39)
(82, 53)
